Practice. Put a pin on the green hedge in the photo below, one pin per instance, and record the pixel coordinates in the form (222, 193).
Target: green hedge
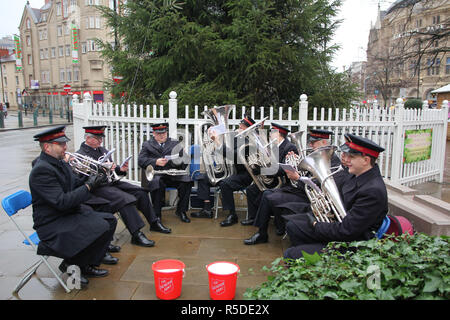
(408, 267)
(413, 104)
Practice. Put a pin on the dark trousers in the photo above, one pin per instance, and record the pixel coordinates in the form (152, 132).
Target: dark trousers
(254, 196)
(203, 187)
(303, 238)
(227, 186)
(184, 191)
(268, 206)
(94, 253)
(144, 205)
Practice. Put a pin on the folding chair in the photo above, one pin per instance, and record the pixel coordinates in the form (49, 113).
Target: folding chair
(384, 227)
(12, 204)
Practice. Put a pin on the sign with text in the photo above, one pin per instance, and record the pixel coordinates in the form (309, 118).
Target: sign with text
(18, 53)
(417, 145)
(75, 45)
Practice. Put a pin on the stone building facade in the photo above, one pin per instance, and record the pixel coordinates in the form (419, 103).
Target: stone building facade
(50, 60)
(406, 52)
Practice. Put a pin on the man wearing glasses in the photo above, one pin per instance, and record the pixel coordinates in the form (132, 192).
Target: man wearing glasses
(67, 228)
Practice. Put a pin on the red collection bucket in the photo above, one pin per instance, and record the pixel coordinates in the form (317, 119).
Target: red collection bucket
(222, 280)
(168, 278)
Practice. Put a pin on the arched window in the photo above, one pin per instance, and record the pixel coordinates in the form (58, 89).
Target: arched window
(28, 23)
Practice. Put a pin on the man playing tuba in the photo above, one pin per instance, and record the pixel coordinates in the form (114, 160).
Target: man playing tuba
(364, 198)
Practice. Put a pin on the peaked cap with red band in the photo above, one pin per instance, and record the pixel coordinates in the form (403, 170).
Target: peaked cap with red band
(160, 127)
(247, 121)
(280, 128)
(52, 135)
(318, 134)
(357, 144)
(95, 130)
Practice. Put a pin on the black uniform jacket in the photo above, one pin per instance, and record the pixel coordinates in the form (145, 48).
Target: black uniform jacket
(366, 203)
(63, 224)
(116, 198)
(152, 151)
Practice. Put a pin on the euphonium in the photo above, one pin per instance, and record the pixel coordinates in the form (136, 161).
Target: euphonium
(217, 167)
(326, 202)
(295, 159)
(261, 155)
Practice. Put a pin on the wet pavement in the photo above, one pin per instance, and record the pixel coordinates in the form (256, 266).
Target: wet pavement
(196, 244)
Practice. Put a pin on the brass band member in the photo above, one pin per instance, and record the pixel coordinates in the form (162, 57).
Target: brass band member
(284, 146)
(67, 228)
(122, 196)
(155, 152)
(365, 201)
(288, 196)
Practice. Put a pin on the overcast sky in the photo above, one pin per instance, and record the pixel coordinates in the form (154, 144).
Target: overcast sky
(352, 35)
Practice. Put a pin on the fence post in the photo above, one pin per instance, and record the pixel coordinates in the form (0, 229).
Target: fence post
(20, 119)
(303, 116)
(397, 144)
(35, 117)
(50, 116)
(2, 121)
(425, 105)
(173, 115)
(81, 112)
(444, 110)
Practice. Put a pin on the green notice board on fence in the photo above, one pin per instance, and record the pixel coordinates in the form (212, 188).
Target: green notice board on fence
(417, 145)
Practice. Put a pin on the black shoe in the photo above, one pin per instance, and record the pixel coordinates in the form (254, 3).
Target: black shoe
(202, 214)
(183, 217)
(157, 226)
(230, 220)
(247, 222)
(63, 267)
(109, 259)
(91, 271)
(112, 248)
(140, 239)
(256, 238)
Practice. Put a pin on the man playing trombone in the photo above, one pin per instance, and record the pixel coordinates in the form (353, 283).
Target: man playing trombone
(166, 161)
(122, 196)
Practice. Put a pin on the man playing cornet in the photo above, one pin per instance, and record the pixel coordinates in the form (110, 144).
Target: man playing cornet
(123, 196)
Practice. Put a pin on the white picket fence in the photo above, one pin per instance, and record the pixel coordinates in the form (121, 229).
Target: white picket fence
(128, 126)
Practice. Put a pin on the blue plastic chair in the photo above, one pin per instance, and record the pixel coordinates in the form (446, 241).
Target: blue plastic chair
(384, 227)
(12, 204)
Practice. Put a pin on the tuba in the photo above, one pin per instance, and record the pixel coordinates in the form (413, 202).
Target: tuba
(326, 202)
(261, 155)
(217, 167)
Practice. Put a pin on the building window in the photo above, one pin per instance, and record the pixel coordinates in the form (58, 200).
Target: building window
(62, 75)
(61, 51)
(46, 53)
(69, 75)
(28, 24)
(29, 41)
(53, 50)
(67, 49)
(436, 19)
(41, 53)
(83, 47)
(17, 80)
(447, 66)
(30, 59)
(433, 66)
(76, 74)
(58, 8)
(59, 31)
